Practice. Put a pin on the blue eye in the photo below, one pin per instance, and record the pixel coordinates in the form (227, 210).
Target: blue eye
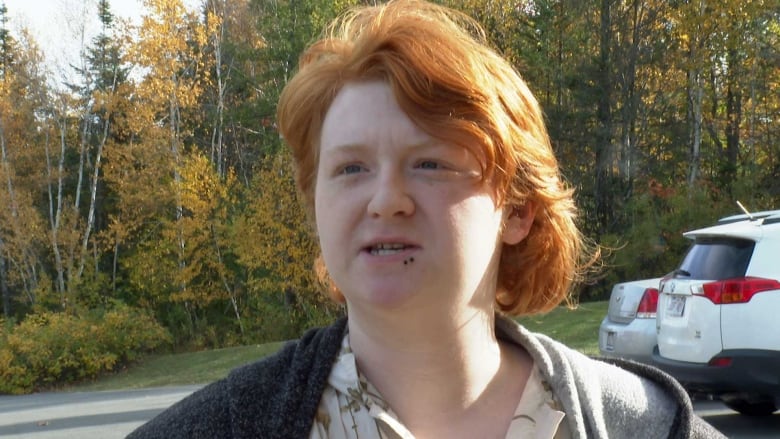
(351, 169)
(429, 164)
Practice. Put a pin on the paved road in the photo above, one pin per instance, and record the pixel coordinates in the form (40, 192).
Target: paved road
(736, 426)
(108, 415)
(92, 415)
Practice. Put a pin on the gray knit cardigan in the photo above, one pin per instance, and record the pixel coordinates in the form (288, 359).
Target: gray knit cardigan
(278, 396)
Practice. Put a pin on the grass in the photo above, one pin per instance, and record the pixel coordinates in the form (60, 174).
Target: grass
(576, 328)
(180, 369)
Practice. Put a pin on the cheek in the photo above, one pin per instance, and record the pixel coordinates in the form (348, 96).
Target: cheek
(320, 210)
(321, 215)
(330, 208)
(319, 196)
(478, 224)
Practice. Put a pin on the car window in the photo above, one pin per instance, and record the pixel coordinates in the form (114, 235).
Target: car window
(717, 258)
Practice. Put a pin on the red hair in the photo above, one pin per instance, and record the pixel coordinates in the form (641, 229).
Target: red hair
(453, 86)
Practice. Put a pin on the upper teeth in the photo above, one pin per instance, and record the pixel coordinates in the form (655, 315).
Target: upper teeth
(389, 246)
(383, 249)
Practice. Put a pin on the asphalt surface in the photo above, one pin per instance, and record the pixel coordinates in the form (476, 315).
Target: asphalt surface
(736, 426)
(91, 415)
(114, 414)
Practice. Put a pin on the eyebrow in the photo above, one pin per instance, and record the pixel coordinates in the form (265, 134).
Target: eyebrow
(350, 147)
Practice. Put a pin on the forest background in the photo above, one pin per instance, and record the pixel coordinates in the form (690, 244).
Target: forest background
(149, 203)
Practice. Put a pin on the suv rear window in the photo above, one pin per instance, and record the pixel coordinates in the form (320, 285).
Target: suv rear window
(717, 258)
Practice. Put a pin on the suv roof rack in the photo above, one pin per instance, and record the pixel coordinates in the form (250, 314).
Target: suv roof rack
(769, 217)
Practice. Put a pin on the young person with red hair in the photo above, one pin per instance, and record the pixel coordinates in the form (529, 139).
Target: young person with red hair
(425, 165)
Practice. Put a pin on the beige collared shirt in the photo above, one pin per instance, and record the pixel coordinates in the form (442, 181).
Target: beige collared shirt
(352, 408)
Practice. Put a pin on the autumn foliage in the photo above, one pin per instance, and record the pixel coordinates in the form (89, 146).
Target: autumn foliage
(50, 348)
(148, 201)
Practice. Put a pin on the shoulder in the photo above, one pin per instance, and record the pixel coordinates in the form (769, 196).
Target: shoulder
(274, 394)
(685, 423)
(292, 367)
(609, 398)
(613, 398)
(280, 393)
(200, 415)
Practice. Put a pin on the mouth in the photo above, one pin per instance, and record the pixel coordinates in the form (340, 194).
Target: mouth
(385, 249)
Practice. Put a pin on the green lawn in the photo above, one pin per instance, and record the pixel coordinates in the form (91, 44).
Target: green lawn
(576, 328)
(179, 369)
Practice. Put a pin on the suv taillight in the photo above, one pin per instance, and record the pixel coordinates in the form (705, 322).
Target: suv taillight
(739, 290)
(648, 305)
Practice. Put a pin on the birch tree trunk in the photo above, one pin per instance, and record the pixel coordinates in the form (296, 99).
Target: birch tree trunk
(55, 208)
(695, 97)
(3, 268)
(225, 284)
(6, 293)
(92, 199)
(604, 136)
(217, 147)
(174, 132)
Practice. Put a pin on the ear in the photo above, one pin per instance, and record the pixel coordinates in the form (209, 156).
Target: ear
(518, 223)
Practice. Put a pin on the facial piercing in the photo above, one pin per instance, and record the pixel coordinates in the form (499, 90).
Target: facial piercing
(407, 261)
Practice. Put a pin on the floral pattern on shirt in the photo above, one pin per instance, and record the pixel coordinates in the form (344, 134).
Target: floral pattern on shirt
(351, 408)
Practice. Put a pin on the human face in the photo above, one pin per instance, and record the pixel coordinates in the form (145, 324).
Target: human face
(403, 218)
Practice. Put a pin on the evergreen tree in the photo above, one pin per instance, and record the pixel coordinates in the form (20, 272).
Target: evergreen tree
(6, 42)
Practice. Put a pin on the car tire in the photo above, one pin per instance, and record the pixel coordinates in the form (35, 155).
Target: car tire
(753, 407)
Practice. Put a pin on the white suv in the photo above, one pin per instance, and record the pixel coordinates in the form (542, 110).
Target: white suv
(718, 319)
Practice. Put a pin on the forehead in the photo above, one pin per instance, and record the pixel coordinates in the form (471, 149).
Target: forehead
(367, 113)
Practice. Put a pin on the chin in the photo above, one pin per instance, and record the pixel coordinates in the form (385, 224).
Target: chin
(382, 298)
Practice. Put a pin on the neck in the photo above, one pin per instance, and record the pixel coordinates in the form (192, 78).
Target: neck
(433, 371)
(423, 335)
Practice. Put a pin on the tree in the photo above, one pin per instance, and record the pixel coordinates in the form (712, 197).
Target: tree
(159, 178)
(208, 199)
(165, 101)
(23, 103)
(693, 32)
(5, 60)
(105, 78)
(273, 240)
(7, 43)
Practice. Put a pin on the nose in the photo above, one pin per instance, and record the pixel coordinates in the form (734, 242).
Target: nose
(390, 197)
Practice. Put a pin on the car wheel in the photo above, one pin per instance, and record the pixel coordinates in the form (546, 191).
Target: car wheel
(753, 407)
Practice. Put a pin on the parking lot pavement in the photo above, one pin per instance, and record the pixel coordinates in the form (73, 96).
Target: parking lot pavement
(88, 415)
(736, 426)
(114, 414)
